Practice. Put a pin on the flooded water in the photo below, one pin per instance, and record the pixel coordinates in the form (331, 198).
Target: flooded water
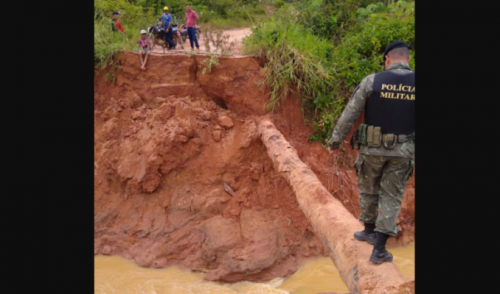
(114, 274)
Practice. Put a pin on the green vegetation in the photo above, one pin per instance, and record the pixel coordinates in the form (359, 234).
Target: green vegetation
(319, 50)
(106, 42)
(140, 14)
(208, 63)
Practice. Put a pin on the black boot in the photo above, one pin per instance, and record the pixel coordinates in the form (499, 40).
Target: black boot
(367, 235)
(380, 254)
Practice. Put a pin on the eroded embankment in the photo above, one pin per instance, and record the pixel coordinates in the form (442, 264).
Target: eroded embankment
(181, 176)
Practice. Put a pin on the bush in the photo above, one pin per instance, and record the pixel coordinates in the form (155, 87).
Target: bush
(297, 60)
(304, 61)
(131, 13)
(327, 18)
(278, 4)
(106, 42)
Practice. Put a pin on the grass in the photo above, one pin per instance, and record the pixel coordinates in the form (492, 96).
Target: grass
(309, 66)
(297, 60)
(108, 43)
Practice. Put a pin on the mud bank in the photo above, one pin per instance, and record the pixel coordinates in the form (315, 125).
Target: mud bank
(182, 178)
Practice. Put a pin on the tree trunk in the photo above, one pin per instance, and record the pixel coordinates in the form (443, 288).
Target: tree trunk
(333, 224)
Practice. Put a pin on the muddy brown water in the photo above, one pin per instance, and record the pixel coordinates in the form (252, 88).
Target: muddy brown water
(115, 274)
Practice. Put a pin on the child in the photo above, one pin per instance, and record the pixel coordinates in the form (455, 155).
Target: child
(145, 50)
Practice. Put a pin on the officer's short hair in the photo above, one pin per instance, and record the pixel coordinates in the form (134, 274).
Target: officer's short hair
(400, 52)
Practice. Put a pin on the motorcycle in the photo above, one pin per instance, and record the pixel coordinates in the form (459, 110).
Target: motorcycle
(177, 34)
(180, 35)
(184, 33)
(157, 35)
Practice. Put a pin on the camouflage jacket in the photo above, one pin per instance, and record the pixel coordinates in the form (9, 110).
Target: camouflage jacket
(355, 107)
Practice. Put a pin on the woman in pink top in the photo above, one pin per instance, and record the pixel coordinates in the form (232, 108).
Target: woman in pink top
(145, 50)
(191, 18)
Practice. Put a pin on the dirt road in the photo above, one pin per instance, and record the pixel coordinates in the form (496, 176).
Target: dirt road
(235, 36)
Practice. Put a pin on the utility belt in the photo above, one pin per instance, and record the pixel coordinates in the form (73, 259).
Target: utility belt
(371, 136)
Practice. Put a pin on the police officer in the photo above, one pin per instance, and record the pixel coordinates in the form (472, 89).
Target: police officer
(385, 160)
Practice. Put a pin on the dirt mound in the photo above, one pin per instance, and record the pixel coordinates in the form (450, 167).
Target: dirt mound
(181, 176)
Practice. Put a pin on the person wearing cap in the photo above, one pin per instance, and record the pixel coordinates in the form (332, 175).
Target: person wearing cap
(117, 26)
(145, 48)
(385, 159)
(166, 21)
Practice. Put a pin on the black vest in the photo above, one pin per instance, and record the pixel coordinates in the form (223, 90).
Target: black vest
(391, 106)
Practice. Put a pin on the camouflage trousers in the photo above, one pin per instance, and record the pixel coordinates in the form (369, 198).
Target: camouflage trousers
(382, 181)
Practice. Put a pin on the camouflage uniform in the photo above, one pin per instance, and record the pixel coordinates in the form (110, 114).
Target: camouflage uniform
(382, 173)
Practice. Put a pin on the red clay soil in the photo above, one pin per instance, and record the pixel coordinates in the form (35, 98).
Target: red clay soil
(181, 180)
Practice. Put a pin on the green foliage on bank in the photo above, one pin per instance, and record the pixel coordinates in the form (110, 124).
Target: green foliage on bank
(319, 50)
(140, 14)
(106, 42)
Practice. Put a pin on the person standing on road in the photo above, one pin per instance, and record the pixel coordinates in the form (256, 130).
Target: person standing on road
(386, 143)
(145, 48)
(166, 21)
(117, 26)
(191, 19)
